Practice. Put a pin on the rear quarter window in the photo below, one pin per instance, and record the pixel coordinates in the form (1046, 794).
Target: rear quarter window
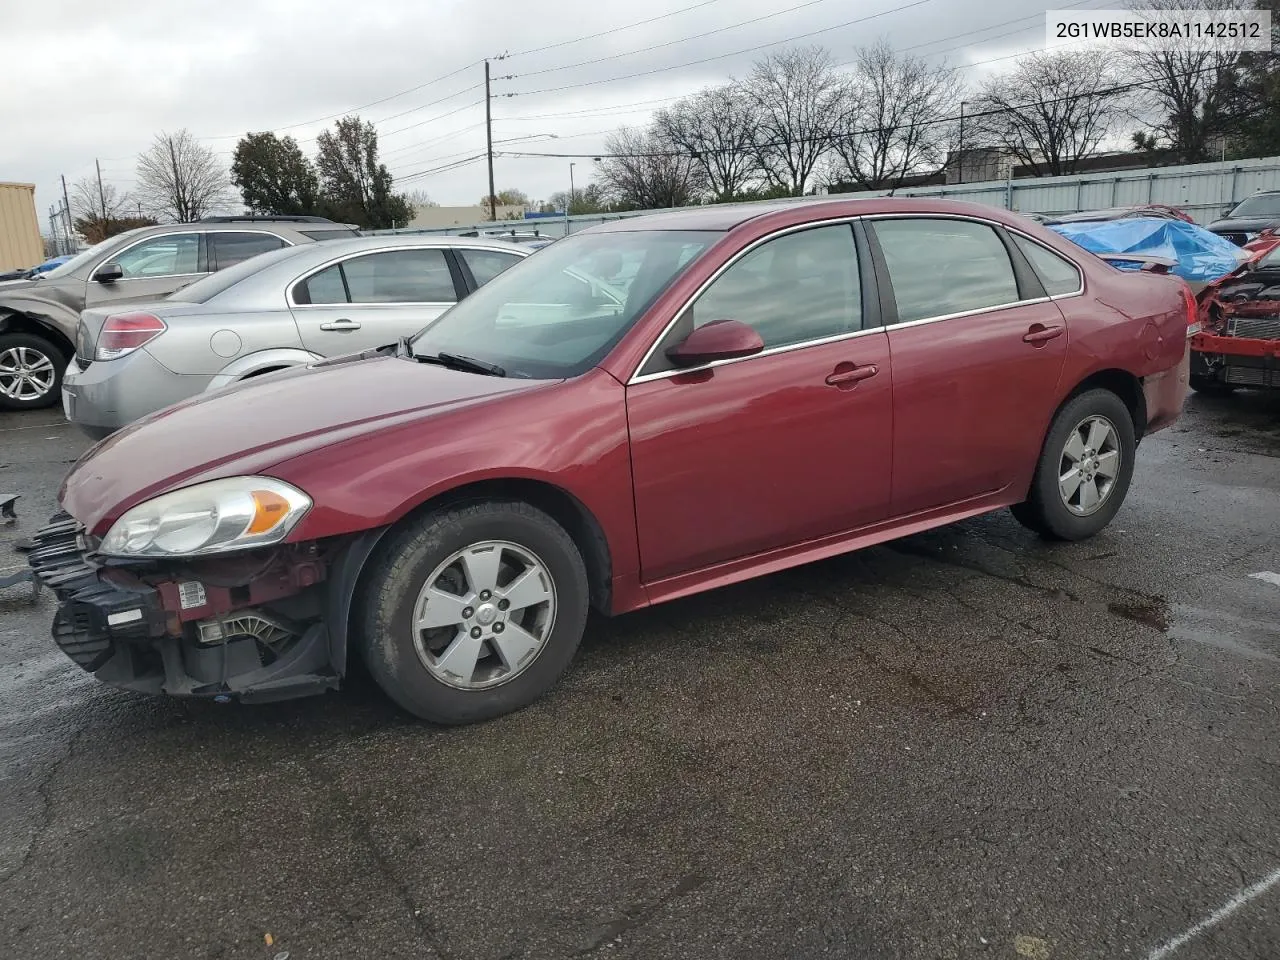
(1058, 274)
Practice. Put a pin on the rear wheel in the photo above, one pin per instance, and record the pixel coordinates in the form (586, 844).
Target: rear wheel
(30, 371)
(1084, 469)
(474, 611)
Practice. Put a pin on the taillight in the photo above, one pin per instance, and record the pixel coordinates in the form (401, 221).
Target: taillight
(1194, 325)
(125, 333)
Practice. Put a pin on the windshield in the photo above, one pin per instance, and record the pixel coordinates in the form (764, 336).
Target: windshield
(76, 262)
(204, 290)
(558, 314)
(1263, 205)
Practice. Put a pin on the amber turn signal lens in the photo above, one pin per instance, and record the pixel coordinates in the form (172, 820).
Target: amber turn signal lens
(269, 509)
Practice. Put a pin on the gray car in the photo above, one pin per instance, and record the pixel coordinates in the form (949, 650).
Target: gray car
(38, 316)
(281, 309)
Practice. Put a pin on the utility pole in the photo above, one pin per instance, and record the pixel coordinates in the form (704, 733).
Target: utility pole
(568, 204)
(488, 136)
(66, 206)
(102, 197)
(960, 171)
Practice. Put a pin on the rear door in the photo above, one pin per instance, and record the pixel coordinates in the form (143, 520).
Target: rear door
(978, 347)
(153, 268)
(374, 298)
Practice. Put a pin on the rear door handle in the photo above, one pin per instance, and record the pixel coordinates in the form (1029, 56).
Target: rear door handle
(340, 325)
(846, 374)
(1039, 334)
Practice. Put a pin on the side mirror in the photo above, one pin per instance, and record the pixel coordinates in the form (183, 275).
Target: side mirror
(718, 340)
(109, 272)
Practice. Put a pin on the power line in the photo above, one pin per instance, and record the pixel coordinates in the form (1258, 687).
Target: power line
(668, 43)
(609, 32)
(722, 56)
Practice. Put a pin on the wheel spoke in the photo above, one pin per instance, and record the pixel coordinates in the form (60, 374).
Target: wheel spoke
(1109, 464)
(441, 609)
(459, 660)
(526, 590)
(514, 645)
(42, 363)
(1069, 483)
(481, 564)
(1089, 497)
(1099, 433)
(1074, 449)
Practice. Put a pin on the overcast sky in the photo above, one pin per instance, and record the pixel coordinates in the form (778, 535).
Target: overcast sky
(101, 79)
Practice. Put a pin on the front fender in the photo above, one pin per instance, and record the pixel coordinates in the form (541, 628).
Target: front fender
(62, 320)
(253, 363)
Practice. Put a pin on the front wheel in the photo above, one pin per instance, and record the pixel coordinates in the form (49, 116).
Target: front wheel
(473, 611)
(30, 372)
(1084, 469)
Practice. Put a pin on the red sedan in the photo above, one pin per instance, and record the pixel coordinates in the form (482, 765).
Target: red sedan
(647, 409)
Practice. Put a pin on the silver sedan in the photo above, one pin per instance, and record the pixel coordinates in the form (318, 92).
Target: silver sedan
(279, 309)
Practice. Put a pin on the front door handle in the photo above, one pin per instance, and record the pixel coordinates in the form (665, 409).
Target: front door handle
(1039, 334)
(340, 325)
(848, 375)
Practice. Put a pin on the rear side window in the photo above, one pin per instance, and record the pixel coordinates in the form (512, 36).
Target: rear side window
(1056, 273)
(940, 267)
(487, 264)
(228, 249)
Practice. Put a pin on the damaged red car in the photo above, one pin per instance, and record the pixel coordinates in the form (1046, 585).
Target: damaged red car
(647, 409)
(1239, 345)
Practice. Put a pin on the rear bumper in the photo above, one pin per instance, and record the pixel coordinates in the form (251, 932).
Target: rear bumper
(1165, 393)
(104, 396)
(134, 627)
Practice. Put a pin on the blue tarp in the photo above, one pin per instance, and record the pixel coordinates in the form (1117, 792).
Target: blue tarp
(1201, 256)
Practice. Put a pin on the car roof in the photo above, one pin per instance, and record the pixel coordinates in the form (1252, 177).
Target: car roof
(729, 216)
(385, 241)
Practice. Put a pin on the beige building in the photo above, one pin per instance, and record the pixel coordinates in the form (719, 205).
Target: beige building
(431, 218)
(20, 243)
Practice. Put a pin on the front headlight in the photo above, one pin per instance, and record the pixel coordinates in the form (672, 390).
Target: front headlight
(214, 517)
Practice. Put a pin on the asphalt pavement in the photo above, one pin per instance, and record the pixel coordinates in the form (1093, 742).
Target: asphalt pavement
(964, 744)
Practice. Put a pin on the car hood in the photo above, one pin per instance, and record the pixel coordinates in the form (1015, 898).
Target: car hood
(1244, 225)
(252, 426)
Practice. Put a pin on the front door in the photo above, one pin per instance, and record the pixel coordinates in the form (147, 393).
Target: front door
(153, 268)
(977, 353)
(748, 455)
(373, 299)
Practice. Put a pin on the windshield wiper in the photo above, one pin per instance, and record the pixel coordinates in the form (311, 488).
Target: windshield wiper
(459, 362)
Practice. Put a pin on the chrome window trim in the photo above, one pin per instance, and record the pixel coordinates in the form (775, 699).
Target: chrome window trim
(637, 377)
(343, 258)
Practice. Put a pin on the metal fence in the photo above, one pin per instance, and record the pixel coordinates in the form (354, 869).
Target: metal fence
(1201, 189)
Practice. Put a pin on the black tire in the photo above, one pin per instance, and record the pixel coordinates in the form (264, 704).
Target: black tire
(1211, 386)
(31, 343)
(1044, 511)
(384, 609)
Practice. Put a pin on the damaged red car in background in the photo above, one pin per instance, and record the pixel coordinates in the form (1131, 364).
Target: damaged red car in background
(647, 409)
(1239, 345)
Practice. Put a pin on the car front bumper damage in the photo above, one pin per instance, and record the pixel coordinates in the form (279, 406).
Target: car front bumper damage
(253, 626)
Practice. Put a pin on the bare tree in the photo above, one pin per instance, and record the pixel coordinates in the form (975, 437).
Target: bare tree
(90, 203)
(801, 103)
(1051, 110)
(643, 170)
(181, 180)
(899, 110)
(717, 127)
(419, 200)
(1187, 88)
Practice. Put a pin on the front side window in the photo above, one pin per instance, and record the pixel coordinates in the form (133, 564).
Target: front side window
(176, 254)
(940, 267)
(400, 276)
(1056, 273)
(559, 313)
(230, 248)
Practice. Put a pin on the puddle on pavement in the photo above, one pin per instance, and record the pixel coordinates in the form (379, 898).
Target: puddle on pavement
(1153, 611)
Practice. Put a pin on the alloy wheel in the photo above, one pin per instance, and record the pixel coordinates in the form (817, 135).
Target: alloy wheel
(1089, 465)
(26, 374)
(484, 615)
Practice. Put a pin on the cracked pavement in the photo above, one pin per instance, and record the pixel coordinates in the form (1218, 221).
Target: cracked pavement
(967, 743)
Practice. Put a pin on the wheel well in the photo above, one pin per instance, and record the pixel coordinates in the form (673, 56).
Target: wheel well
(563, 507)
(12, 322)
(1125, 386)
(258, 373)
